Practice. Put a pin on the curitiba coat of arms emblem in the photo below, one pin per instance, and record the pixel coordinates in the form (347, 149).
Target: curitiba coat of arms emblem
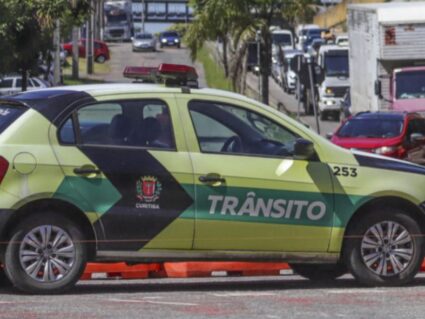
(148, 189)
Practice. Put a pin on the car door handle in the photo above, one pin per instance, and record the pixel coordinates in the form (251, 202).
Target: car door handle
(86, 170)
(212, 178)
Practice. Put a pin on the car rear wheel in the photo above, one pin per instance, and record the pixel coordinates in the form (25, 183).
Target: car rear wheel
(46, 254)
(4, 281)
(319, 272)
(384, 248)
(101, 59)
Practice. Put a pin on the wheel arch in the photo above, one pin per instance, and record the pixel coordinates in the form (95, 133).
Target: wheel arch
(408, 207)
(59, 207)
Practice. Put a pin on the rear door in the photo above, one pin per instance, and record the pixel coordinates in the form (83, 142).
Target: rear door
(126, 161)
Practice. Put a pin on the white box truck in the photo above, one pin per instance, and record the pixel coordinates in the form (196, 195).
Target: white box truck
(387, 56)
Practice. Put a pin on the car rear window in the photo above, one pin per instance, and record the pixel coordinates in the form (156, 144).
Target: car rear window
(371, 128)
(8, 114)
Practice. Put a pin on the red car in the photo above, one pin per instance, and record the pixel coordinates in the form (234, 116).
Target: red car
(391, 134)
(101, 50)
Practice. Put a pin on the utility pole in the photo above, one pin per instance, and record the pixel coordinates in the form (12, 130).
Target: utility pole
(57, 58)
(89, 38)
(258, 40)
(313, 93)
(75, 52)
(143, 15)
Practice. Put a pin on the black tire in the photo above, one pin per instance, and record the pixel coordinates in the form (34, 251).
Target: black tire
(101, 59)
(4, 281)
(15, 270)
(319, 272)
(323, 116)
(353, 250)
(336, 116)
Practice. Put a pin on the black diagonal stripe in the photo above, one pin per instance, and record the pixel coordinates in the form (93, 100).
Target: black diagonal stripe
(127, 227)
(389, 164)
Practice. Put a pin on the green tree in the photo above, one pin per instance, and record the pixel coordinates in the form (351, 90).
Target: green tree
(239, 21)
(26, 28)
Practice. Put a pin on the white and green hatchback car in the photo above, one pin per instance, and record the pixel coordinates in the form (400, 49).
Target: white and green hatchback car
(149, 173)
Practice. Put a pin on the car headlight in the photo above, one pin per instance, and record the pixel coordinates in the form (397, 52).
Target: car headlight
(329, 92)
(385, 150)
(164, 40)
(176, 40)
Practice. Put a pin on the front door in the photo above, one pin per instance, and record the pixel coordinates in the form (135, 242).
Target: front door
(251, 193)
(128, 166)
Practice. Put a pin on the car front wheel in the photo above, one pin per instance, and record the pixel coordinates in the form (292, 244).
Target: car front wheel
(384, 248)
(46, 254)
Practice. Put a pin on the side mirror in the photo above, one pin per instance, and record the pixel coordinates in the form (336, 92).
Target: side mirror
(304, 150)
(378, 88)
(329, 135)
(416, 138)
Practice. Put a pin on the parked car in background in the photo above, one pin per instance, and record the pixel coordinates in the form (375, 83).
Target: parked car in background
(101, 50)
(169, 38)
(391, 134)
(12, 84)
(143, 41)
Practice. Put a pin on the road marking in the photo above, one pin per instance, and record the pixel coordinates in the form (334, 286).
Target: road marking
(6, 302)
(356, 291)
(245, 294)
(170, 303)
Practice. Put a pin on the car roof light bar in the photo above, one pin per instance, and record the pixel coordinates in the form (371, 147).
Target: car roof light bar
(173, 75)
(141, 73)
(178, 75)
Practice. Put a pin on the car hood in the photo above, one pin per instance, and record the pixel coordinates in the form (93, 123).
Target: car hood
(365, 143)
(387, 163)
(336, 81)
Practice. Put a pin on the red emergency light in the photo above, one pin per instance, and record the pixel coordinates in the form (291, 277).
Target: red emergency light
(141, 73)
(172, 74)
(178, 75)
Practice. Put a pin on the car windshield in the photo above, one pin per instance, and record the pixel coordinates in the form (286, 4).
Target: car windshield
(8, 114)
(282, 38)
(371, 128)
(410, 85)
(143, 36)
(170, 34)
(120, 18)
(336, 64)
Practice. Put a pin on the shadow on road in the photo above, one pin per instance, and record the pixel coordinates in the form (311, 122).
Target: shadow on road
(210, 285)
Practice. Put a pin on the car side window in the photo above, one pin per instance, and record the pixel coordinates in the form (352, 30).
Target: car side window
(224, 128)
(133, 123)
(7, 83)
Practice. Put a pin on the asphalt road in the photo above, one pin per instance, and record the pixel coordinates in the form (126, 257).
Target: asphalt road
(284, 297)
(122, 56)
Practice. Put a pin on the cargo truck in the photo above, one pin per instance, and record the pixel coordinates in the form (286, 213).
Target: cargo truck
(118, 20)
(387, 56)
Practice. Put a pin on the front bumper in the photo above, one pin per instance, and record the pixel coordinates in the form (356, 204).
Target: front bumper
(330, 104)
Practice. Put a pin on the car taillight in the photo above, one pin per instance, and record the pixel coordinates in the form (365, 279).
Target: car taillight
(4, 165)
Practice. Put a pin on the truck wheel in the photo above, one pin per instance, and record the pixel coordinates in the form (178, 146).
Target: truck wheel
(384, 248)
(46, 254)
(319, 272)
(323, 116)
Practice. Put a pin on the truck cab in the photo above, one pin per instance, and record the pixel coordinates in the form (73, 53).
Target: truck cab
(118, 21)
(407, 89)
(334, 62)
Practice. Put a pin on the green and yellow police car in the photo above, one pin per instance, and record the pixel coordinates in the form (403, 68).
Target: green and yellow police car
(164, 172)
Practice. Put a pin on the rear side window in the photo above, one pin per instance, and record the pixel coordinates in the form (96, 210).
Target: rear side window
(8, 114)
